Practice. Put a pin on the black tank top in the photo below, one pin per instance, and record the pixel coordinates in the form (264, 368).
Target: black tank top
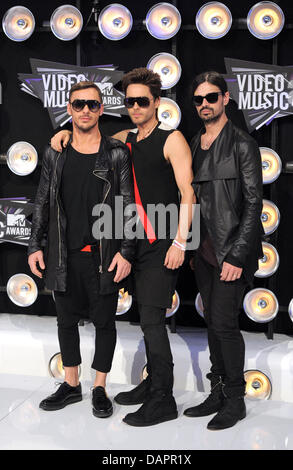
(154, 184)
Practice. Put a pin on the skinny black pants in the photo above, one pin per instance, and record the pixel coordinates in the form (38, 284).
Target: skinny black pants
(222, 301)
(158, 351)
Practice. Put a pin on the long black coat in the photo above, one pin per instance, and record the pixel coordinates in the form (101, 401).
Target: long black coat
(229, 186)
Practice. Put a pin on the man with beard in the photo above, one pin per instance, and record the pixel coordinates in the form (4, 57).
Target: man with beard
(228, 186)
(161, 161)
(83, 272)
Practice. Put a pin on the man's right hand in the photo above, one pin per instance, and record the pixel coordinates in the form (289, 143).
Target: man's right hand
(33, 259)
(123, 267)
(59, 139)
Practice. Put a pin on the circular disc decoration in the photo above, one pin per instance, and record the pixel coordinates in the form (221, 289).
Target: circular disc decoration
(56, 367)
(199, 305)
(175, 305)
(213, 20)
(269, 264)
(144, 373)
(290, 310)
(271, 165)
(258, 385)
(115, 22)
(22, 290)
(66, 22)
(22, 158)
(124, 302)
(18, 23)
(168, 67)
(265, 20)
(169, 112)
(163, 21)
(270, 217)
(260, 305)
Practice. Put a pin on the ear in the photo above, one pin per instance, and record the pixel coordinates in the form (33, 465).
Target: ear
(226, 98)
(69, 109)
(101, 110)
(157, 102)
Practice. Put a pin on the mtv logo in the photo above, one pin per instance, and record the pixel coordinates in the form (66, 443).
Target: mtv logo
(106, 88)
(14, 220)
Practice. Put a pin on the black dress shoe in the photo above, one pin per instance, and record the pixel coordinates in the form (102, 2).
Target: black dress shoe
(136, 396)
(65, 395)
(102, 406)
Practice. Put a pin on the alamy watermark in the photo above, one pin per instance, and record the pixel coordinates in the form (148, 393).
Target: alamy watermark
(158, 221)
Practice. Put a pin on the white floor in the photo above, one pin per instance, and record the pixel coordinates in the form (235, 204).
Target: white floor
(28, 342)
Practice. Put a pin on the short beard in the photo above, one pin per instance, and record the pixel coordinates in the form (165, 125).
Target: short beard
(212, 119)
(85, 130)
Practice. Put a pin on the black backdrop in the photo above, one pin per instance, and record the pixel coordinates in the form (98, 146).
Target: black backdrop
(22, 117)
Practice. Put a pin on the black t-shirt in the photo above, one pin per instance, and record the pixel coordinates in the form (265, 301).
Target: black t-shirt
(80, 191)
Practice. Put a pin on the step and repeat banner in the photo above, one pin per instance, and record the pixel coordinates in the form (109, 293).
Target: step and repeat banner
(261, 92)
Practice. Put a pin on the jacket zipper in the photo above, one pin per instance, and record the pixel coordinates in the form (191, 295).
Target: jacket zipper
(107, 192)
(58, 216)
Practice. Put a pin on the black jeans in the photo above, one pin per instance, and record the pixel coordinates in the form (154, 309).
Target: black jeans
(158, 351)
(222, 301)
(82, 300)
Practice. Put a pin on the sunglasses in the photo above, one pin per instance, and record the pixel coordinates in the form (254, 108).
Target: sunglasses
(210, 97)
(142, 101)
(93, 105)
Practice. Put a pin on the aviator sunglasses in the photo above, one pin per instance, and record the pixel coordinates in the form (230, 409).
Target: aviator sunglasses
(142, 101)
(93, 105)
(210, 97)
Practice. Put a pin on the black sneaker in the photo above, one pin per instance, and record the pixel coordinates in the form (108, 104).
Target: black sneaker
(65, 395)
(102, 406)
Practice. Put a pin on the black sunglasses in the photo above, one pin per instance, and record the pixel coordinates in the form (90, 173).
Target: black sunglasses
(210, 97)
(142, 101)
(93, 105)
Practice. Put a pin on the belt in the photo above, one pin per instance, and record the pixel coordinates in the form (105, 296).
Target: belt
(85, 249)
(90, 248)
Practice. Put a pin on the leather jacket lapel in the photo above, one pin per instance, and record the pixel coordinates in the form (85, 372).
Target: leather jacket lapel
(219, 162)
(102, 163)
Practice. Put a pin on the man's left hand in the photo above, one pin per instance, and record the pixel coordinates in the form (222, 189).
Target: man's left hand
(230, 272)
(123, 267)
(174, 258)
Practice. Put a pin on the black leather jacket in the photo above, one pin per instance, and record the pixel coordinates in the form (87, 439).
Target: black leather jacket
(49, 222)
(228, 186)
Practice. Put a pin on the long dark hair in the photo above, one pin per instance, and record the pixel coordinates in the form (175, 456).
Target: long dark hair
(212, 77)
